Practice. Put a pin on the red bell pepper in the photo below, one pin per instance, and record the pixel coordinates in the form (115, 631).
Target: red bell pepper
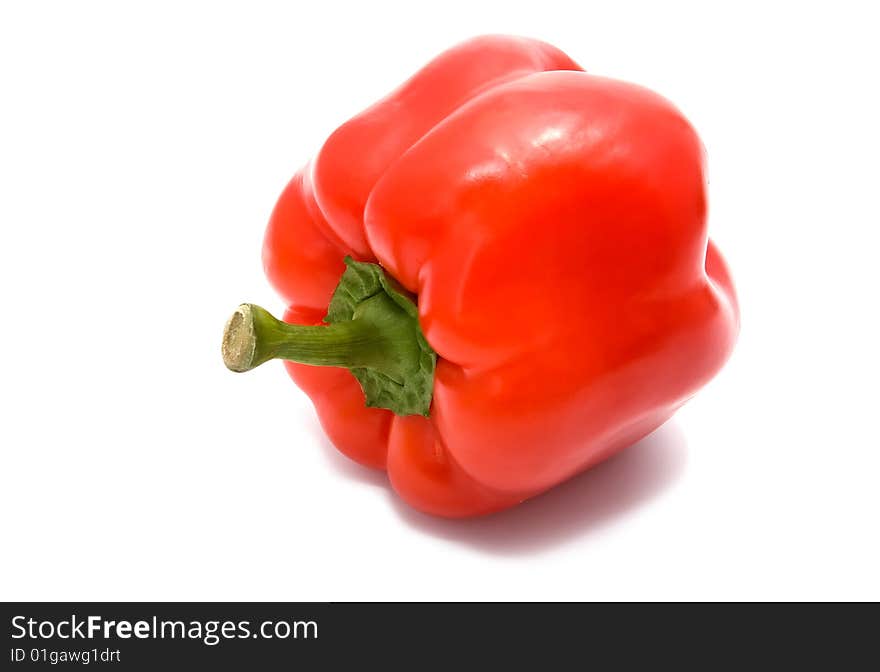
(518, 273)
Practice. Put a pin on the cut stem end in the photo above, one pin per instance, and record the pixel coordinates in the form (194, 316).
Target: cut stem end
(240, 340)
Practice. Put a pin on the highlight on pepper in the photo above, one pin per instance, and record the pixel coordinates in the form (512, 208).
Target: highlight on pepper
(496, 277)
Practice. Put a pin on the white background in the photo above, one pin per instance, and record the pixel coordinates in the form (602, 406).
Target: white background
(142, 147)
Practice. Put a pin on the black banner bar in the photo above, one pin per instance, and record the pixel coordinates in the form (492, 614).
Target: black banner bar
(132, 636)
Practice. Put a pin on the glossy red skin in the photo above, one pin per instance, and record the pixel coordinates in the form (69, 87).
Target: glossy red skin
(553, 226)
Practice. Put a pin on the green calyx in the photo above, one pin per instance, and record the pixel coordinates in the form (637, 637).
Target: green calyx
(372, 330)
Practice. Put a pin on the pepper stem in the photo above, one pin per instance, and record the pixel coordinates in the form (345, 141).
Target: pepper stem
(372, 329)
(379, 337)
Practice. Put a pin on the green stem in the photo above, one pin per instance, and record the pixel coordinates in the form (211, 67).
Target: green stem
(372, 329)
(379, 338)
